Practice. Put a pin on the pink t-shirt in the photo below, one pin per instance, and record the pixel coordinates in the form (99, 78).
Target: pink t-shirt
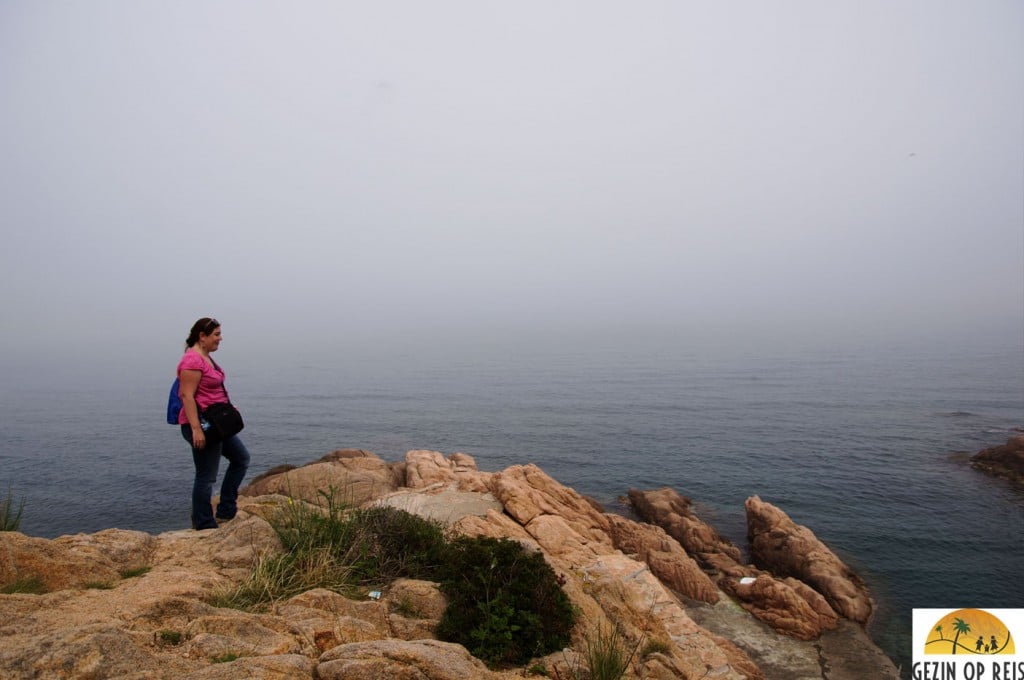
(211, 382)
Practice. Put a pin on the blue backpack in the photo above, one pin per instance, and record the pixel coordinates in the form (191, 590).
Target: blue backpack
(173, 403)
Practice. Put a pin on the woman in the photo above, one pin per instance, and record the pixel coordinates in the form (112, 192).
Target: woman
(202, 384)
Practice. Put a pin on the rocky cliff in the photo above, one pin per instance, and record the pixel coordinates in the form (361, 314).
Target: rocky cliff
(129, 605)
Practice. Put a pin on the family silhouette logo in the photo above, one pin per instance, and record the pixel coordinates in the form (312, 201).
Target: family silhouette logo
(967, 644)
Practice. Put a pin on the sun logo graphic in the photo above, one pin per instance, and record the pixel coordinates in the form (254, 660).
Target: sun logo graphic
(967, 644)
(969, 631)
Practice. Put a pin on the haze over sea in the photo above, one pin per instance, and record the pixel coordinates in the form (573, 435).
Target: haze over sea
(864, 442)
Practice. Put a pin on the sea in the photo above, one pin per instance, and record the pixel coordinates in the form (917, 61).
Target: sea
(866, 442)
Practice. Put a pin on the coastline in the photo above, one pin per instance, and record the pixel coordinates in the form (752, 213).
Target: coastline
(736, 619)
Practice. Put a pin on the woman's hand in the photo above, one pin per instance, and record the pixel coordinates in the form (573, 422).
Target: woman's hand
(198, 438)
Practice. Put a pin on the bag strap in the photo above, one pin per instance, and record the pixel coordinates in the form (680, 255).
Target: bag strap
(223, 383)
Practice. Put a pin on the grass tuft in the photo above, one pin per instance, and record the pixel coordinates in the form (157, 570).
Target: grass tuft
(98, 585)
(328, 546)
(30, 585)
(606, 656)
(656, 647)
(10, 519)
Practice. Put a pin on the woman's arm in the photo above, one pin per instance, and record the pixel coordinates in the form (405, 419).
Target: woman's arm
(189, 380)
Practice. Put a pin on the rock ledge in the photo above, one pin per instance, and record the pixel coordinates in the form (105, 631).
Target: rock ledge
(129, 605)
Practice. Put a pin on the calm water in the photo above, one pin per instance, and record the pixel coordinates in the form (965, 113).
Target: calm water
(866, 445)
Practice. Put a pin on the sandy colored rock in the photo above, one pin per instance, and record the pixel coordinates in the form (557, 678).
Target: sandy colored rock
(167, 612)
(329, 602)
(788, 606)
(528, 492)
(243, 541)
(414, 608)
(607, 587)
(785, 548)
(353, 480)
(73, 561)
(674, 513)
(440, 503)
(427, 468)
(94, 651)
(413, 597)
(665, 557)
(281, 667)
(401, 660)
(636, 601)
(495, 524)
(217, 635)
(328, 619)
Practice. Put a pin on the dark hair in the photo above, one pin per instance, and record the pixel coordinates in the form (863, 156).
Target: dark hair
(206, 325)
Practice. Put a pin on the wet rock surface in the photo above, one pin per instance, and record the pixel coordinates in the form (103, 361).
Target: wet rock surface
(1006, 460)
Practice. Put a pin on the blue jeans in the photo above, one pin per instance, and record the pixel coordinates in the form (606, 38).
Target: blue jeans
(207, 460)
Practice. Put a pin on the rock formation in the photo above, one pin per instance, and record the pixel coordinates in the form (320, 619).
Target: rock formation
(1006, 460)
(786, 604)
(125, 604)
(785, 548)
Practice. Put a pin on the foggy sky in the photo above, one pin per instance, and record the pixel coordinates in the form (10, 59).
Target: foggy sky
(314, 171)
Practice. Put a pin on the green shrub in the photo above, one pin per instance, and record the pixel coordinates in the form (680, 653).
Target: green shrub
(390, 544)
(505, 604)
(10, 519)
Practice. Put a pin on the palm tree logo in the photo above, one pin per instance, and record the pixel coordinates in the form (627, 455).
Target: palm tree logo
(960, 626)
(993, 637)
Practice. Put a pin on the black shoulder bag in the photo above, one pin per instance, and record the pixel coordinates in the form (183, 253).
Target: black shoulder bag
(224, 419)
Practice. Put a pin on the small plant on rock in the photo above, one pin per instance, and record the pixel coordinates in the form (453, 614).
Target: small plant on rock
(98, 585)
(607, 654)
(134, 572)
(29, 585)
(170, 638)
(606, 657)
(655, 647)
(505, 604)
(10, 519)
